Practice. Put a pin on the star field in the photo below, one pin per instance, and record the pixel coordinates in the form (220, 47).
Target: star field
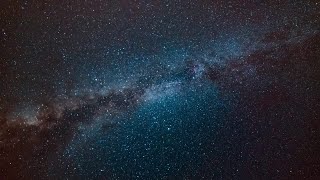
(139, 89)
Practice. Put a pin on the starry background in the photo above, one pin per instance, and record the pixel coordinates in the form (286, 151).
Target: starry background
(141, 89)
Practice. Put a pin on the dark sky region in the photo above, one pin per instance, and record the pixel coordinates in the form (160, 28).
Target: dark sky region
(150, 89)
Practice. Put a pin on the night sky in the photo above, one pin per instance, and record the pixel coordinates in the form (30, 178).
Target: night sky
(159, 89)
